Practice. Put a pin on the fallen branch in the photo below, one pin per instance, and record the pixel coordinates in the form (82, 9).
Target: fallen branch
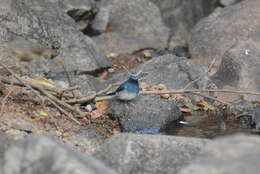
(101, 98)
(50, 97)
(24, 83)
(181, 91)
(92, 97)
(3, 102)
(59, 102)
(212, 98)
(68, 77)
(207, 72)
(64, 112)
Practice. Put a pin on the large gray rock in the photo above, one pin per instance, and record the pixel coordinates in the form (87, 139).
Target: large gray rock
(225, 29)
(147, 114)
(80, 10)
(5, 143)
(152, 112)
(85, 140)
(41, 155)
(47, 24)
(229, 2)
(133, 25)
(236, 45)
(235, 154)
(240, 67)
(182, 15)
(148, 154)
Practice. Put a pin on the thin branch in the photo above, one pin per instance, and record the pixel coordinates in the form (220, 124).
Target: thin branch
(196, 80)
(108, 97)
(212, 98)
(57, 91)
(68, 78)
(24, 83)
(59, 102)
(44, 92)
(197, 90)
(64, 112)
(52, 118)
(90, 98)
(5, 99)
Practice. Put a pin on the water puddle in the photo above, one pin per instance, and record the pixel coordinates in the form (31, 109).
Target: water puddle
(208, 126)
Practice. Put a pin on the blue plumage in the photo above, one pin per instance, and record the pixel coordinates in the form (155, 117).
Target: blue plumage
(129, 89)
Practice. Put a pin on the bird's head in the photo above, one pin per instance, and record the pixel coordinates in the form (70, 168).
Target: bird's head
(135, 78)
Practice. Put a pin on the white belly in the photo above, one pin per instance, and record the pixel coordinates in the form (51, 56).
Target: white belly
(126, 96)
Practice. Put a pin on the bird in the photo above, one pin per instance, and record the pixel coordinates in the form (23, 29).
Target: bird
(128, 90)
(26, 51)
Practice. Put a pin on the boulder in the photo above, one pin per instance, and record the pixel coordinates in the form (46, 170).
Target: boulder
(81, 11)
(40, 154)
(225, 29)
(231, 36)
(143, 154)
(182, 15)
(153, 112)
(47, 24)
(85, 140)
(5, 143)
(229, 2)
(234, 154)
(132, 26)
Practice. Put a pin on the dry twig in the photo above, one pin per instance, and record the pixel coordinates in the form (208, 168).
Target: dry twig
(92, 97)
(5, 99)
(198, 90)
(45, 93)
(196, 80)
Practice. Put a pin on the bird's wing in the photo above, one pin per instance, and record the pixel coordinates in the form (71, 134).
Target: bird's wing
(121, 87)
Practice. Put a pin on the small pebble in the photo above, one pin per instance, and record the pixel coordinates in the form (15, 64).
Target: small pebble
(111, 55)
(111, 70)
(88, 108)
(147, 54)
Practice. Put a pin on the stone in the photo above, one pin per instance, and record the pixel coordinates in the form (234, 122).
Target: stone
(85, 140)
(153, 112)
(143, 154)
(229, 2)
(182, 15)
(218, 32)
(48, 25)
(236, 46)
(233, 154)
(132, 26)
(145, 112)
(6, 142)
(81, 11)
(40, 154)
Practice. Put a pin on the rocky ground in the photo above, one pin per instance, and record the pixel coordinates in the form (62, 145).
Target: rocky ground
(68, 52)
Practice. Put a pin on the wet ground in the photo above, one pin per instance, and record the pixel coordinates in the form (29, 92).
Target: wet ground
(203, 125)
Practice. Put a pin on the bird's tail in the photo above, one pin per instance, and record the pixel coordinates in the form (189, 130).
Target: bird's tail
(108, 96)
(184, 122)
(111, 93)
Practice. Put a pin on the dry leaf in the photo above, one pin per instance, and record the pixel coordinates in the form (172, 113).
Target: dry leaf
(192, 106)
(96, 113)
(44, 82)
(186, 110)
(5, 91)
(103, 105)
(103, 75)
(165, 96)
(206, 106)
(43, 114)
(145, 87)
